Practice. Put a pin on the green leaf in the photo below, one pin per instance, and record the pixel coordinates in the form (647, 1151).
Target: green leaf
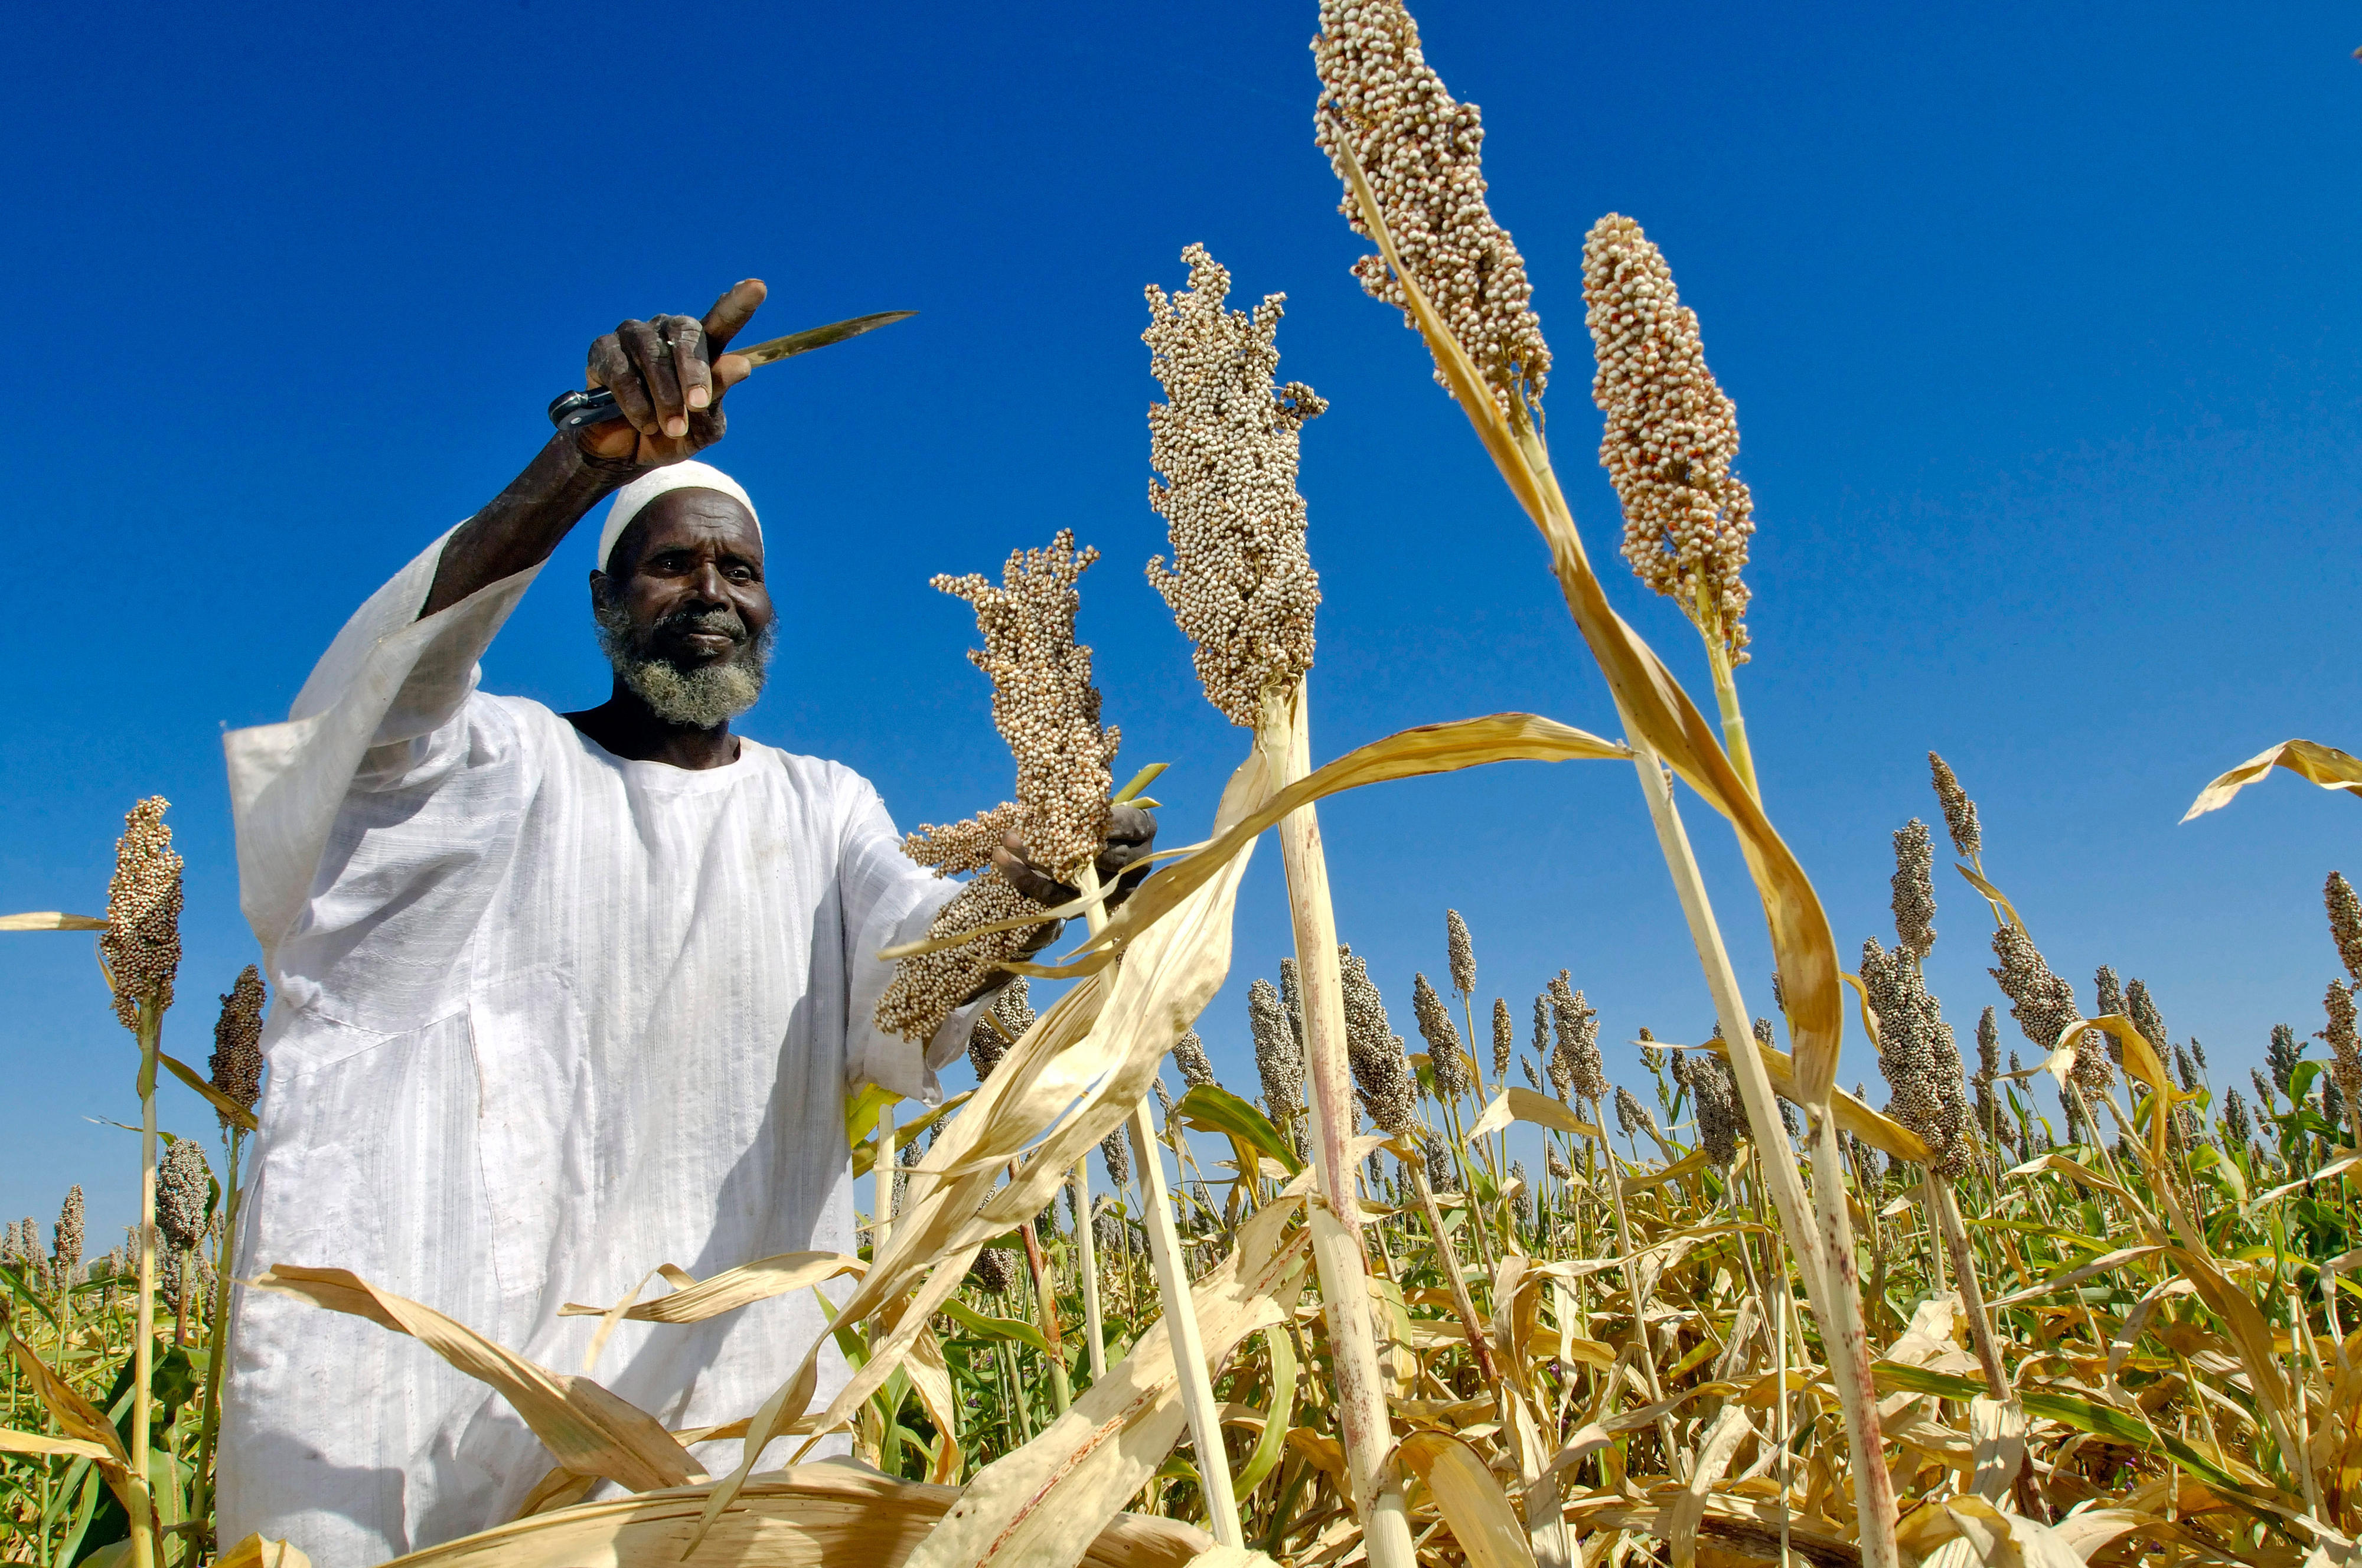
(1209, 1108)
(1894, 1375)
(1279, 1411)
(1016, 1329)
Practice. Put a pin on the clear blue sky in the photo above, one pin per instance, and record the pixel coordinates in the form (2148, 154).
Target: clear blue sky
(2042, 324)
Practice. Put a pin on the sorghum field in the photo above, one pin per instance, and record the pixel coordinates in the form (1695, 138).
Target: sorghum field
(1509, 1293)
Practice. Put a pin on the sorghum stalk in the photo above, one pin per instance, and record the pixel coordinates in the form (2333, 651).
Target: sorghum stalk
(1180, 1304)
(1447, 1257)
(1362, 1420)
(1488, 346)
(1087, 1265)
(1045, 1305)
(140, 951)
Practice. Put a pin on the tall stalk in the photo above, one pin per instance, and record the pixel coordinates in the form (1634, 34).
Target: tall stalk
(142, 1509)
(1180, 1304)
(1284, 735)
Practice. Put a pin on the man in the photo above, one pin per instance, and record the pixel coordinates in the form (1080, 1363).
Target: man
(561, 997)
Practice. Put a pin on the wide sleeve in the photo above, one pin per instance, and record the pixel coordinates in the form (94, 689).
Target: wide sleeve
(888, 899)
(388, 689)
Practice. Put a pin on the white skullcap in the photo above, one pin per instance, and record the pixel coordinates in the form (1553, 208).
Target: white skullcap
(689, 475)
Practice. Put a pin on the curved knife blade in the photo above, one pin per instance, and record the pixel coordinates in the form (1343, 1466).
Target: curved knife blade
(571, 411)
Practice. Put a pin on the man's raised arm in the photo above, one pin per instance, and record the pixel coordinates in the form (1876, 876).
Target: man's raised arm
(669, 376)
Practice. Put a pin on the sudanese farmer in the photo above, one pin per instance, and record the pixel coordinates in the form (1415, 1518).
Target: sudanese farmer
(560, 997)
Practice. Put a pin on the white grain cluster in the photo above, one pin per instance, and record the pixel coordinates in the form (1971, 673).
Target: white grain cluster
(1505, 1040)
(955, 847)
(1423, 154)
(926, 990)
(1043, 700)
(142, 944)
(1671, 435)
(2044, 1005)
(1225, 443)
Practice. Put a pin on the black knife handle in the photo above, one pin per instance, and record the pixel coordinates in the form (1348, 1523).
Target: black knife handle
(571, 411)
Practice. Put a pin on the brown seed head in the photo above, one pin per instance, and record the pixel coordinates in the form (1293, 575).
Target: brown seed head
(1376, 1050)
(1422, 155)
(237, 1061)
(1442, 1037)
(1914, 889)
(141, 945)
(1225, 440)
(1278, 1058)
(1919, 1056)
(67, 1253)
(1959, 812)
(182, 1180)
(1462, 952)
(2345, 922)
(1575, 1066)
(1505, 1040)
(1671, 435)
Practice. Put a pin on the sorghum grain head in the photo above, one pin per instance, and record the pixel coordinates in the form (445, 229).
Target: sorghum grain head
(1044, 701)
(1278, 1058)
(66, 1254)
(1461, 951)
(1504, 1039)
(142, 944)
(1670, 435)
(1442, 1037)
(1575, 1066)
(2282, 1057)
(1189, 1056)
(182, 1180)
(2141, 1008)
(1421, 153)
(2345, 922)
(237, 1042)
(1242, 585)
(1959, 812)
(1914, 889)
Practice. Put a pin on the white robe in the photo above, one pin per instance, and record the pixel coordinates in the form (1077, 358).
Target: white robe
(544, 1018)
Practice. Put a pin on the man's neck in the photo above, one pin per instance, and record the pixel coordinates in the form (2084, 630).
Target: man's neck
(625, 727)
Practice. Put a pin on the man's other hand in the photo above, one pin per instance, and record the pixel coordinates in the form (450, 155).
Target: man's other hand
(669, 376)
(1132, 838)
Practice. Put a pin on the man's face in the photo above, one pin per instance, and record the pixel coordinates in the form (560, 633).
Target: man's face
(684, 616)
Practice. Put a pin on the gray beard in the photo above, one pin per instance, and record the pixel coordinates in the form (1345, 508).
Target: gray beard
(701, 699)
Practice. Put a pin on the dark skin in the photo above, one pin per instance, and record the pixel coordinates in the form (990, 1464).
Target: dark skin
(689, 550)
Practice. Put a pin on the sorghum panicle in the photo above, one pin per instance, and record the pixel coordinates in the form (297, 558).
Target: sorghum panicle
(1959, 812)
(1189, 1056)
(236, 1064)
(142, 944)
(1671, 435)
(1422, 155)
(1461, 951)
(1442, 1037)
(1914, 889)
(1242, 585)
(1505, 1040)
(182, 1180)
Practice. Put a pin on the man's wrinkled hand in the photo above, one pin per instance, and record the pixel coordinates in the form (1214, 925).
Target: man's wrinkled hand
(668, 375)
(1132, 838)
